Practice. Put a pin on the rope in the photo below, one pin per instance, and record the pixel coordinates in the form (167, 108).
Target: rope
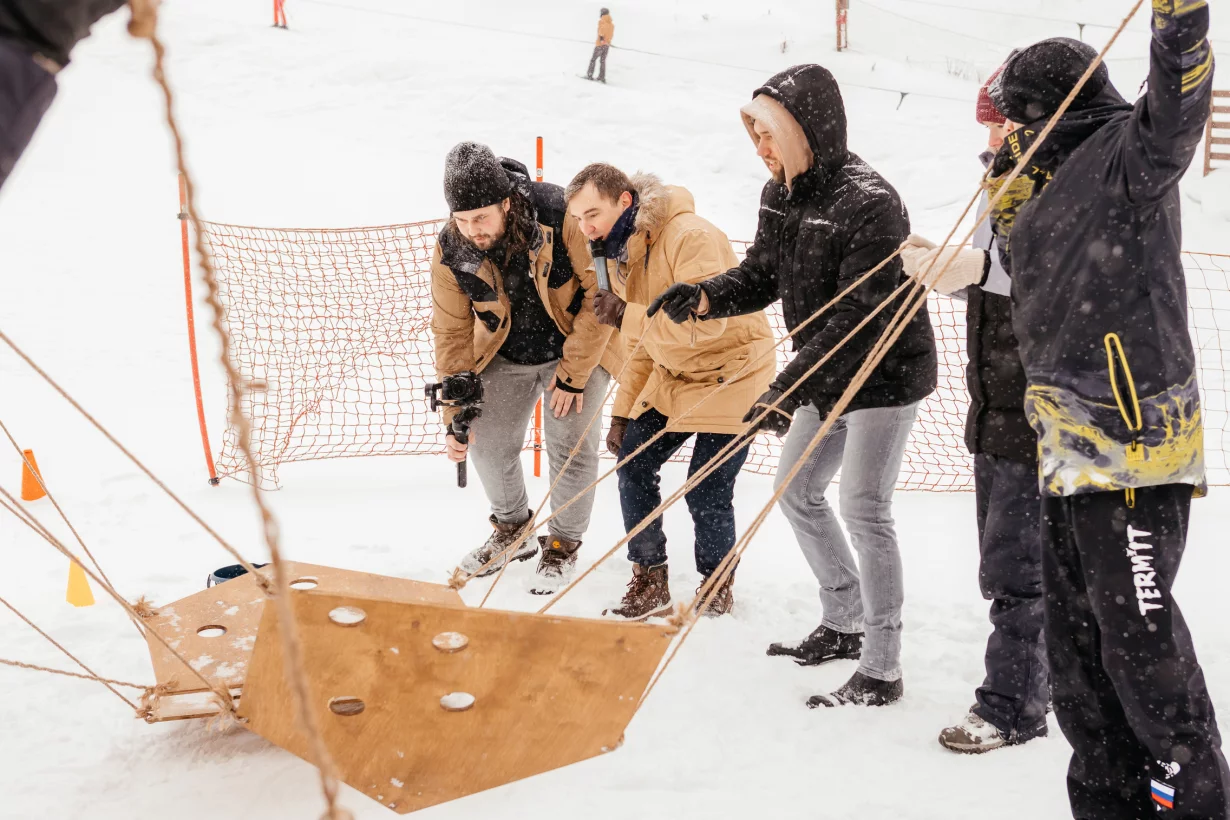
(92, 674)
(37, 668)
(260, 579)
(10, 504)
(39, 478)
(532, 524)
(144, 25)
(926, 283)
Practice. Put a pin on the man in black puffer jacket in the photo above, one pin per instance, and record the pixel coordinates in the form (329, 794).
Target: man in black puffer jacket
(1091, 233)
(826, 219)
(36, 37)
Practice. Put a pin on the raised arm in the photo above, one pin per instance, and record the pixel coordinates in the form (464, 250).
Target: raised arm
(1166, 127)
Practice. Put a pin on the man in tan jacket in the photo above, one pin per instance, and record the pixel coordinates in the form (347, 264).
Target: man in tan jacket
(602, 46)
(512, 299)
(691, 379)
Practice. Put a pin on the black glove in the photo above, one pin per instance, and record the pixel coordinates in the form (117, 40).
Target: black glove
(778, 419)
(680, 301)
(615, 436)
(609, 309)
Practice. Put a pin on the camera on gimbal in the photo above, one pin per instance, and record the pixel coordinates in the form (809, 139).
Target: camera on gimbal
(465, 391)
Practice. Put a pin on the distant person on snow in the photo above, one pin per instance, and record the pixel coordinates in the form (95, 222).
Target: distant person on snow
(512, 300)
(1011, 703)
(36, 37)
(826, 219)
(606, 31)
(1091, 233)
(653, 239)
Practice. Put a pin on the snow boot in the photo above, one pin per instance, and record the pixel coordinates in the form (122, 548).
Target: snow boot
(648, 594)
(488, 559)
(861, 690)
(821, 646)
(557, 566)
(974, 736)
(723, 597)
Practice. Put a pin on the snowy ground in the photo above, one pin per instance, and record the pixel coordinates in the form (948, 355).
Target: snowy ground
(344, 120)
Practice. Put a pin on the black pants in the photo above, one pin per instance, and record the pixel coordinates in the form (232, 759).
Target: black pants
(1129, 693)
(1014, 695)
(711, 502)
(600, 53)
(26, 91)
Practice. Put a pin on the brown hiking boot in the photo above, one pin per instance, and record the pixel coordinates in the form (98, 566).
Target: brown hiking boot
(557, 566)
(505, 535)
(723, 598)
(648, 594)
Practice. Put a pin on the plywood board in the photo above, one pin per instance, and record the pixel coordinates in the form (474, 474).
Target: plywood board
(236, 606)
(547, 692)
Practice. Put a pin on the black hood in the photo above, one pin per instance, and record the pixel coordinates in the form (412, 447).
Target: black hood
(1036, 80)
(519, 176)
(812, 97)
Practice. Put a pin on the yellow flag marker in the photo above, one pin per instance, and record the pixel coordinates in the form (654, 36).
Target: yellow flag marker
(79, 593)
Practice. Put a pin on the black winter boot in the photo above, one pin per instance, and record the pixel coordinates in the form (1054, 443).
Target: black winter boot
(821, 646)
(861, 690)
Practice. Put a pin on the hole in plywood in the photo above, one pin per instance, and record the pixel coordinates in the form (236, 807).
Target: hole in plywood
(347, 615)
(306, 582)
(211, 631)
(457, 701)
(346, 706)
(450, 642)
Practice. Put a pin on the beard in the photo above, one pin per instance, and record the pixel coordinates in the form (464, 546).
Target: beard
(776, 169)
(489, 239)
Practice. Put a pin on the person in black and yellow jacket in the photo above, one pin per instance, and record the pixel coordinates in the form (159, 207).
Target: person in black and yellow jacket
(1091, 236)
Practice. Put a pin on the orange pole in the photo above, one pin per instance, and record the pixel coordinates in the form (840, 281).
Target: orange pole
(538, 439)
(196, 366)
(538, 407)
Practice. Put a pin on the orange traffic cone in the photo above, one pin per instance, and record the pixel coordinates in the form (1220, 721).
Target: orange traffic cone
(31, 488)
(79, 593)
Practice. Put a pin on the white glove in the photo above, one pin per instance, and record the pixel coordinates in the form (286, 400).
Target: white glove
(961, 267)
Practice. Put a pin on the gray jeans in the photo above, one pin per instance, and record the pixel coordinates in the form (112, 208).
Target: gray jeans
(510, 392)
(868, 446)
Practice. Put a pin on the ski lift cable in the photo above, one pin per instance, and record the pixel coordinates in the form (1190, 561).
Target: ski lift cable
(557, 38)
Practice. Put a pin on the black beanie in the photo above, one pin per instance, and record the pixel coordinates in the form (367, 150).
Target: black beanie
(474, 178)
(1036, 80)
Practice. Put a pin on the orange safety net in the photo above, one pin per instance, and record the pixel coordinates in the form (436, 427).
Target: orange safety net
(332, 329)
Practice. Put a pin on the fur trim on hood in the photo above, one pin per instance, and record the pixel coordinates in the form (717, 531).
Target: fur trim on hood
(654, 202)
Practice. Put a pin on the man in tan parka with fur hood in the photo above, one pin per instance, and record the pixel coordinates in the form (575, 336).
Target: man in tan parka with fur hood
(691, 379)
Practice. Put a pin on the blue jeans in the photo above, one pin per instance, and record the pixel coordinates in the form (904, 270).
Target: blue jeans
(867, 445)
(711, 502)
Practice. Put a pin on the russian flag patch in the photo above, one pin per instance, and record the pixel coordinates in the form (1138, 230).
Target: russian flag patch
(1163, 795)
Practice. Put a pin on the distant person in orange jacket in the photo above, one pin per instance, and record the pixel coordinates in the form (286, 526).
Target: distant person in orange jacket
(606, 31)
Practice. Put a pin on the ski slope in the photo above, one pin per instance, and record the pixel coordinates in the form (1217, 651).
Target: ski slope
(345, 120)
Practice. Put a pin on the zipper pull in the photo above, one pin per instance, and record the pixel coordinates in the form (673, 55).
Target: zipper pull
(1135, 452)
